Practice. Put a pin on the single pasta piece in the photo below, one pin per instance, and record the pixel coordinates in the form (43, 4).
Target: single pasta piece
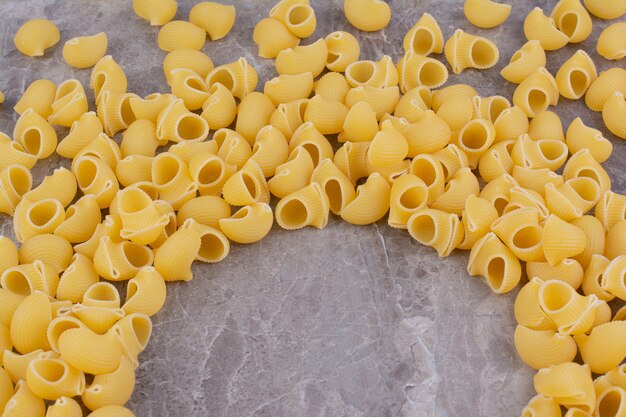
(33, 218)
(496, 161)
(435, 228)
(214, 245)
(220, 108)
(55, 251)
(294, 174)
(574, 198)
(611, 209)
(35, 134)
(24, 402)
(528, 313)
(326, 116)
(475, 139)
(538, 26)
(247, 186)
(95, 177)
(464, 50)
(209, 172)
(207, 210)
(70, 103)
(418, 70)
(288, 117)
(360, 124)
(524, 62)
(287, 88)
(157, 12)
(107, 75)
(459, 188)
(611, 41)
(606, 10)
(140, 139)
(614, 114)
(90, 352)
(367, 15)
(491, 259)
(272, 36)
(145, 293)
(30, 322)
(510, 124)
(270, 150)
(298, 16)
(582, 164)
(11, 255)
(413, 105)
(388, 147)
(562, 240)
(114, 388)
(174, 257)
(476, 217)
(313, 141)
(35, 36)
(576, 75)
(616, 240)
(540, 405)
(486, 13)
(452, 160)
(177, 124)
(441, 96)
(191, 59)
(537, 154)
(381, 100)
(594, 231)
(79, 276)
(180, 34)
(569, 383)
(612, 281)
(234, 149)
(457, 112)
(568, 270)
(520, 197)
(603, 349)
(64, 407)
(335, 184)
(172, 179)
(546, 125)
(217, 19)
(521, 233)
(253, 114)
(491, 107)
(52, 378)
(103, 148)
(303, 58)
(82, 133)
(430, 170)
(592, 280)
(543, 348)
(610, 400)
(249, 224)
(408, 196)
(379, 74)
(572, 19)
(112, 411)
(371, 202)
(190, 87)
(239, 77)
(15, 182)
(425, 37)
(85, 51)
(343, 49)
(308, 206)
(536, 93)
(607, 83)
(39, 96)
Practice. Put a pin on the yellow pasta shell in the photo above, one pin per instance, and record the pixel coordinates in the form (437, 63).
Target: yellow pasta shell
(24, 402)
(613, 114)
(603, 349)
(388, 147)
(569, 383)
(249, 224)
(360, 124)
(378, 74)
(486, 13)
(272, 36)
(90, 352)
(82, 133)
(35, 134)
(253, 114)
(546, 125)
(234, 149)
(287, 88)
(39, 96)
(435, 228)
(85, 51)
(173, 180)
(35, 36)
(425, 37)
(303, 58)
(572, 20)
(157, 12)
(417, 70)
(313, 141)
(605, 86)
(367, 15)
(464, 50)
(613, 277)
(611, 41)
(191, 59)
(145, 293)
(543, 348)
(452, 160)
(15, 182)
(459, 188)
(70, 103)
(332, 86)
(189, 86)
(604, 10)
(429, 134)
(477, 217)
(107, 75)
(327, 116)
(576, 75)
(381, 100)
(524, 62)
(292, 175)
(616, 240)
(217, 19)
(579, 136)
(475, 138)
(429, 170)
(562, 240)
(30, 323)
(568, 270)
(238, 76)
(536, 92)
(308, 206)
(371, 202)
(408, 195)
(174, 257)
(297, 16)
(494, 261)
(246, 186)
(343, 49)
(109, 389)
(64, 407)
(52, 378)
(538, 26)
(178, 34)
(540, 405)
(53, 250)
(582, 163)
(10, 254)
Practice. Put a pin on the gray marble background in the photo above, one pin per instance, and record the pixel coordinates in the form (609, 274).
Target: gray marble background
(346, 321)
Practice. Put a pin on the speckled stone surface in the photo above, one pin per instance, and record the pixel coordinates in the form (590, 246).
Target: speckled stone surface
(345, 321)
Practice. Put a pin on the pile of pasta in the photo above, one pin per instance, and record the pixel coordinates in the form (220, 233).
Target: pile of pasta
(332, 133)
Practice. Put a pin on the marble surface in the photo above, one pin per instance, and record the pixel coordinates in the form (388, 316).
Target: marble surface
(345, 321)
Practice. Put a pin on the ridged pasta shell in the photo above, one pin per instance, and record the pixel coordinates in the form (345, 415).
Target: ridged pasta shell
(381, 100)
(520, 197)
(52, 378)
(494, 261)
(486, 13)
(15, 182)
(413, 105)
(371, 202)
(613, 114)
(332, 86)
(35, 36)
(145, 293)
(609, 45)
(521, 232)
(217, 19)
(293, 174)
(475, 138)
(115, 112)
(30, 323)
(289, 116)
(308, 206)
(272, 36)
(12, 153)
(543, 406)
(524, 62)
(435, 228)
(107, 75)
(303, 58)
(157, 12)
(110, 227)
(428, 135)
(536, 179)
(605, 10)
(543, 348)
(574, 198)
(594, 232)
(10, 254)
(238, 76)
(477, 217)
(604, 348)
(188, 86)
(85, 51)
(425, 37)
(209, 172)
(538, 26)
(172, 178)
(568, 270)
(538, 154)
(607, 83)
(367, 15)
(313, 141)
(613, 277)
(120, 261)
(527, 310)
(343, 49)
(377, 74)
(70, 103)
(351, 159)
(360, 124)
(90, 352)
(388, 148)
(562, 240)
(298, 16)
(616, 240)
(234, 149)
(24, 402)
(611, 401)
(464, 50)
(246, 186)
(496, 161)
(582, 163)
(114, 388)
(95, 177)
(191, 59)
(576, 75)
(38, 217)
(417, 70)
(452, 160)
(536, 92)
(570, 384)
(83, 131)
(214, 244)
(178, 34)
(546, 125)
(25, 279)
(572, 312)
(429, 170)
(35, 134)
(457, 190)
(287, 88)
(39, 96)
(457, 112)
(253, 114)
(53, 250)
(579, 136)
(409, 195)
(327, 116)
(611, 209)
(249, 224)
(64, 407)
(572, 20)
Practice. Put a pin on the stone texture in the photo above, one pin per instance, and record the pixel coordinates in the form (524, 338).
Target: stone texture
(346, 321)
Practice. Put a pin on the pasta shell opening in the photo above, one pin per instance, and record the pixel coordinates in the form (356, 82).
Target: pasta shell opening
(568, 23)
(483, 54)
(138, 256)
(140, 328)
(361, 73)
(211, 173)
(44, 212)
(332, 188)
(60, 325)
(495, 272)
(31, 140)
(298, 15)
(50, 370)
(165, 170)
(294, 214)
(102, 294)
(20, 180)
(423, 41)
(133, 201)
(528, 237)
(611, 403)
(86, 171)
(223, 76)
(191, 127)
(432, 74)
(537, 100)
(413, 197)
(475, 136)
(555, 296)
(212, 247)
(579, 82)
(16, 282)
(423, 229)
